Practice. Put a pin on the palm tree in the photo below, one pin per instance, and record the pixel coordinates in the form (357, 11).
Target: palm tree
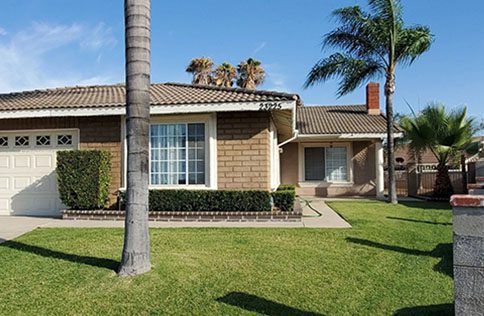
(445, 134)
(372, 45)
(136, 250)
(250, 74)
(201, 69)
(224, 75)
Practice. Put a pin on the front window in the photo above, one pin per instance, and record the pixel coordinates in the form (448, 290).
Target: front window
(325, 164)
(177, 154)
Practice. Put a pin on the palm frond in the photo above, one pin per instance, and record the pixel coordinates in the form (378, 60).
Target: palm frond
(352, 71)
(412, 42)
(389, 10)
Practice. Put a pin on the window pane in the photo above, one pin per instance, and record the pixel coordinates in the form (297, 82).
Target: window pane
(196, 156)
(336, 164)
(168, 148)
(314, 163)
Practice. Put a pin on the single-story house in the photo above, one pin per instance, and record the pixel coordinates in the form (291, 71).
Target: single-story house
(201, 137)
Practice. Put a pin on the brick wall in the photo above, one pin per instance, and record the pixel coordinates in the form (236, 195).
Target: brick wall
(243, 150)
(95, 133)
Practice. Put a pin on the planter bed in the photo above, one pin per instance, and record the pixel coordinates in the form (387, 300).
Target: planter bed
(294, 216)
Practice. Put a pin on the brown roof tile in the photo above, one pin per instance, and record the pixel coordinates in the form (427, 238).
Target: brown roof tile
(339, 119)
(114, 95)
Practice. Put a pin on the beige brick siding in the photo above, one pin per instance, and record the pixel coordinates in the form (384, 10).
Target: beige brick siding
(95, 133)
(243, 150)
(363, 163)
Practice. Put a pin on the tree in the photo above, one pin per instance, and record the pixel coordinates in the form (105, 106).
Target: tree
(224, 75)
(136, 250)
(250, 74)
(201, 69)
(371, 46)
(446, 134)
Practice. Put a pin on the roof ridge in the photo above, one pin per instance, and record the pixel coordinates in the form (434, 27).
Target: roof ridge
(294, 96)
(45, 90)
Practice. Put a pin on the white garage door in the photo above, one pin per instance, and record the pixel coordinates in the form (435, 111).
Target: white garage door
(28, 183)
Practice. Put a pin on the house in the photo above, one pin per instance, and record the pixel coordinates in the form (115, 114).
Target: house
(200, 138)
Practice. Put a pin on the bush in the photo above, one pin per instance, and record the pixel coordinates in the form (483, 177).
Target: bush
(284, 199)
(208, 201)
(286, 187)
(83, 178)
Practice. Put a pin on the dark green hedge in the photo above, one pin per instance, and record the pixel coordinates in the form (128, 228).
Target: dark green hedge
(284, 197)
(83, 178)
(208, 201)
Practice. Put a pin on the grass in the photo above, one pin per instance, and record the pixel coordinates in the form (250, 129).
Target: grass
(395, 260)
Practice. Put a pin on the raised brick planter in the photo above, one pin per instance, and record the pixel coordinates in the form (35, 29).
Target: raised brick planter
(294, 216)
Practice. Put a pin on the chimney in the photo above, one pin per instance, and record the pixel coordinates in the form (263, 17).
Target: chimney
(373, 98)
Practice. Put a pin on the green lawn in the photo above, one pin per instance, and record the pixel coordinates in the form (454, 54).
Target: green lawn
(395, 259)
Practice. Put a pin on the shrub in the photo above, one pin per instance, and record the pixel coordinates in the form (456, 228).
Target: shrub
(83, 178)
(286, 187)
(208, 200)
(284, 199)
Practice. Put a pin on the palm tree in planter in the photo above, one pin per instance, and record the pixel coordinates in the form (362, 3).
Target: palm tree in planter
(136, 250)
(445, 134)
(371, 45)
(224, 75)
(201, 69)
(250, 74)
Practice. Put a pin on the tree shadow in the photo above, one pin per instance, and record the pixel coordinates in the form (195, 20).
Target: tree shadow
(418, 221)
(426, 205)
(261, 305)
(442, 251)
(48, 253)
(428, 310)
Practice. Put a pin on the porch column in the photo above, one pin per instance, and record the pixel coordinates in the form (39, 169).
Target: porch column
(379, 172)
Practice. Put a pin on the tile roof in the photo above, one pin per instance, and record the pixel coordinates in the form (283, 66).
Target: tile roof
(340, 119)
(114, 95)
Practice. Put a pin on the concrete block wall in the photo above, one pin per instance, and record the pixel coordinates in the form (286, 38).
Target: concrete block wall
(468, 227)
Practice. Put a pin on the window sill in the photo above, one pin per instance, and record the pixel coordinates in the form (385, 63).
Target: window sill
(324, 184)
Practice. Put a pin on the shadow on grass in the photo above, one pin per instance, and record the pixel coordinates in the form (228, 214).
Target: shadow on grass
(418, 221)
(442, 251)
(48, 253)
(261, 305)
(437, 310)
(426, 205)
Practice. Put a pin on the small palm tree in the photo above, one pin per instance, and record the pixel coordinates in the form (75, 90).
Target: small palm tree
(445, 134)
(371, 46)
(201, 69)
(250, 74)
(224, 75)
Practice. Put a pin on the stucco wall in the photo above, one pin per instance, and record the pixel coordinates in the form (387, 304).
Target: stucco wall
(243, 150)
(94, 133)
(363, 164)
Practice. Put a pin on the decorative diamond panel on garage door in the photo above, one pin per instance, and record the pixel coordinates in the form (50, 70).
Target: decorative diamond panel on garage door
(28, 183)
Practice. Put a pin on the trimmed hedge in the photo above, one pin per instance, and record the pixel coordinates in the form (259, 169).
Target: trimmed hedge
(284, 197)
(208, 201)
(83, 178)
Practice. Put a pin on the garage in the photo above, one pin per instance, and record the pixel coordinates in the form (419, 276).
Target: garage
(28, 183)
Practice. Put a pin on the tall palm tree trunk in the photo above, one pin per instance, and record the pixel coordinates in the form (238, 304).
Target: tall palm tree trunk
(136, 251)
(389, 92)
(443, 186)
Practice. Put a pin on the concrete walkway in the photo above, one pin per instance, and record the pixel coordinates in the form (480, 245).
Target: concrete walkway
(316, 214)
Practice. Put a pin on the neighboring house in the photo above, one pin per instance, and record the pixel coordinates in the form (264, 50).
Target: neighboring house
(201, 138)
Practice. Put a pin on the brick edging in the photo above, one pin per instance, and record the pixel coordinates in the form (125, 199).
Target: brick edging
(185, 216)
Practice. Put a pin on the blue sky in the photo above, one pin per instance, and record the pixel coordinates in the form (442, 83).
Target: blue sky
(51, 43)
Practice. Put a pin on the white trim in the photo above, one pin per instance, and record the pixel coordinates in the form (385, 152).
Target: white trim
(347, 136)
(210, 121)
(154, 109)
(349, 164)
(274, 157)
(379, 171)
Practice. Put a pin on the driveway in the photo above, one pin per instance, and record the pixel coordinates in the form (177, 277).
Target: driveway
(13, 226)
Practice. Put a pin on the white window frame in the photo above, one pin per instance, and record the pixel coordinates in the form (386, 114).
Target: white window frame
(210, 121)
(349, 164)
